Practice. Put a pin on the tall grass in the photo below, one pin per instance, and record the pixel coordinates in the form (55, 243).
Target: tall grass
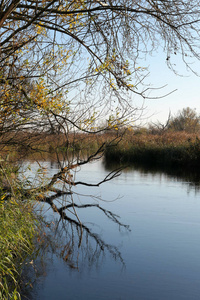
(168, 150)
(17, 231)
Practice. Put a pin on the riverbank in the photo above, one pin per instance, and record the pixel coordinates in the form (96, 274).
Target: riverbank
(169, 150)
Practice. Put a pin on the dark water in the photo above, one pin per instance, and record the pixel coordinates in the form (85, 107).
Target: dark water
(158, 259)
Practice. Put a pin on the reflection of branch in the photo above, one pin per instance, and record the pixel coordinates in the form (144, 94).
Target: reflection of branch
(113, 250)
(108, 213)
(62, 209)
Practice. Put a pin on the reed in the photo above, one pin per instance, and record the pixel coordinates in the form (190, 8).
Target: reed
(18, 229)
(167, 150)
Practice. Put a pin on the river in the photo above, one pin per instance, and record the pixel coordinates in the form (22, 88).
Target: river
(157, 259)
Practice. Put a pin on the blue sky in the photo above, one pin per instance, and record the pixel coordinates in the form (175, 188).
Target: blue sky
(187, 87)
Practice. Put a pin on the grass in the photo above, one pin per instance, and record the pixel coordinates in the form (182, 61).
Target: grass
(167, 150)
(48, 146)
(18, 229)
(17, 232)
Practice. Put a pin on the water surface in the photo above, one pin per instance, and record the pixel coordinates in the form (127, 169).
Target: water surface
(158, 259)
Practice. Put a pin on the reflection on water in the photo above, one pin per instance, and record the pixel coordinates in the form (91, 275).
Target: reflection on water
(189, 177)
(158, 259)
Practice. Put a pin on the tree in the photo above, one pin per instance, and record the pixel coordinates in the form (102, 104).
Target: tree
(66, 66)
(186, 120)
(49, 48)
(158, 127)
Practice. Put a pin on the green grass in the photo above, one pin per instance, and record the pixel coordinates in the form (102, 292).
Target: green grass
(17, 232)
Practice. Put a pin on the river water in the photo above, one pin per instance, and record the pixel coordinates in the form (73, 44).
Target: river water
(157, 259)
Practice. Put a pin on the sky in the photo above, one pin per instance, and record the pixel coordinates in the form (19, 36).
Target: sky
(187, 88)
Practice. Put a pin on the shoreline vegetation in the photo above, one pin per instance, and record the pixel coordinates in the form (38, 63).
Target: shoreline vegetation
(20, 227)
(17, 233)
(169, 150)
